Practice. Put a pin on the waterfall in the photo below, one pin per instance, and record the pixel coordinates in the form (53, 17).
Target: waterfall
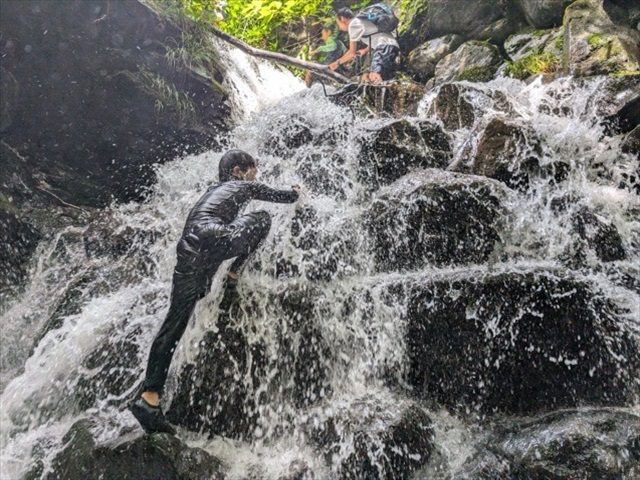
(323, 359)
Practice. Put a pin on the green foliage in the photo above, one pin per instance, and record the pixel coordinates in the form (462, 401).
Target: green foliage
(271, 24)
(537, 62)
(165, 95)
(558, 43)
(260, 22)
(194, 19)
(596, 41)
(192, 51)
(207, 10)
(410, 9)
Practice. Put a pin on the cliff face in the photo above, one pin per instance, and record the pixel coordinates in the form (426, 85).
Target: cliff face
(93, 95)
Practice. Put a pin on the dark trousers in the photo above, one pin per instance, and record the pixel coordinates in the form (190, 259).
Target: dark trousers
(198, 261)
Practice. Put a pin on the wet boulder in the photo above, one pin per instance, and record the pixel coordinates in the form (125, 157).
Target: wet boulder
(107, 237)
(534, 53)
(397, 99)
(109, 371)
(431, 217)
(508, 152)
(320, 246)
(287, 134)
(397, 147)
(589, 443)
(18, 240)
(422, 61)
(474, 61)
(626, 119)
(239, 369)
(132, 456)
(631, 142)
(595, 45)
(459, 105)
(324, 174)
(452, 107)
(522, 44)
(373, 437)
(596, 234)
(435, 18)
(519, 342)
(543, 13)
(210, 398)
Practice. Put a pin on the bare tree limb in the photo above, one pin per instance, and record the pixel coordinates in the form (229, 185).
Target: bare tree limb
(318, 69)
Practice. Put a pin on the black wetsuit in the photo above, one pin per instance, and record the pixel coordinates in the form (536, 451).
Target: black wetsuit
(211, 234)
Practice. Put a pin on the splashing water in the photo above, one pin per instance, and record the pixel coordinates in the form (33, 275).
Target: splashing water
(120, 301)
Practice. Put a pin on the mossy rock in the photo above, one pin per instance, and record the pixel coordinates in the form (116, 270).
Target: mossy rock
(476, 74)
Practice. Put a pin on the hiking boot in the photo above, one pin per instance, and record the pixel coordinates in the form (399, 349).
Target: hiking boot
(151, 418)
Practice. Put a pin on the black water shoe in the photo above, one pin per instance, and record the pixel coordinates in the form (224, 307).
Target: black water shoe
(150, 417)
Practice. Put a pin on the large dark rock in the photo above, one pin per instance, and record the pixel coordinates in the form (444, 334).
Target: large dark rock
(422, 61)
(474, 61)
(631, 144)
(397, 99)
(235, 374)
(374, 438)
(107, 237)
(625, 119)
(99, 100)
(519, 342)
(324, 174)
(400, 146)
(452, 107)
(18, 240)
(430, 217)
(459, 105)
(507, 152)
(286, 134)
(597, 234)
(319, 253)
(598, 443)
(511, 153)
(435, 18)
(131, 457)
(543, 13)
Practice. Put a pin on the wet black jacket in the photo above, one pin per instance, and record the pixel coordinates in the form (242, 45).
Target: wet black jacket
(223, 201)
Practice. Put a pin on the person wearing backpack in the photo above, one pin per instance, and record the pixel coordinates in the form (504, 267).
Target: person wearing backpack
(373, 25)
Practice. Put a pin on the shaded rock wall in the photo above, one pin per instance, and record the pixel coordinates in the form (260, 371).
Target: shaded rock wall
(90, 102)
(87, 96)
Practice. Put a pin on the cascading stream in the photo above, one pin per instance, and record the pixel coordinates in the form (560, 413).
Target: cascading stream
(322, 320)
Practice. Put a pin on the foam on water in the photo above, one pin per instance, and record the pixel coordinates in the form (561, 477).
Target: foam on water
(43, 397)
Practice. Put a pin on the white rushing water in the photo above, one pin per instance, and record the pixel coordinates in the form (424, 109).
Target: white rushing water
(122, 301)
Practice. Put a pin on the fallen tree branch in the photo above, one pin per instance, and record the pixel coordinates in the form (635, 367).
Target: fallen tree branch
(318, 69)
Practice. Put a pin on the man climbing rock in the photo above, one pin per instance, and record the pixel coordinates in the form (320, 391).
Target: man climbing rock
(383, 45)
(213, 232)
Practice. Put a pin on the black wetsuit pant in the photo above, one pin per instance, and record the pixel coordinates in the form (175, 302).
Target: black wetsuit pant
(198, 261)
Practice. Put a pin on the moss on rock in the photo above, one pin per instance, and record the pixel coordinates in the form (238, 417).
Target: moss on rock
(476, 74)
(533, 64)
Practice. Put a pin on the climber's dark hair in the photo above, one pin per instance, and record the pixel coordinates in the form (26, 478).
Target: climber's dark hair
(345, 13)
(232, 159)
